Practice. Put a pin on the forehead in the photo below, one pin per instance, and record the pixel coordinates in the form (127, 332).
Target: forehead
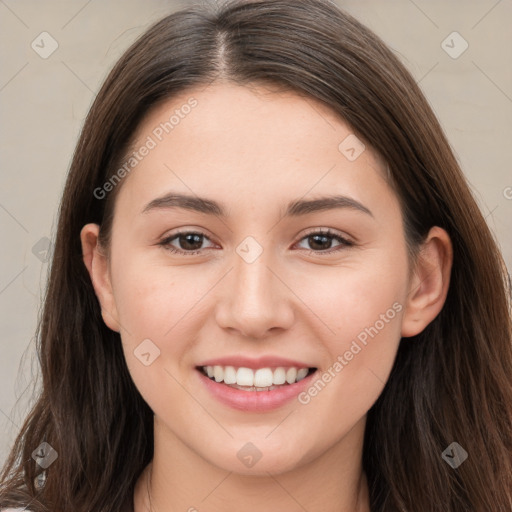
(255, 118)
(223, 137)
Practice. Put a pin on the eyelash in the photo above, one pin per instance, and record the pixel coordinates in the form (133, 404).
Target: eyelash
(344, 243)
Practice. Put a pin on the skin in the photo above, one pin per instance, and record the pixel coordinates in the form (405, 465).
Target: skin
(254, 150)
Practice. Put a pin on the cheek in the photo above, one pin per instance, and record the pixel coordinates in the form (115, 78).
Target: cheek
(352, 298)
(151, 299)
(156, 307)
(362, 308)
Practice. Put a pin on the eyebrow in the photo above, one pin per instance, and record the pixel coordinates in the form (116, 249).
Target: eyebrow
(294, 209)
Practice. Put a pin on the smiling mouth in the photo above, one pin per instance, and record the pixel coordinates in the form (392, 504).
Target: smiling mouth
(262, 379)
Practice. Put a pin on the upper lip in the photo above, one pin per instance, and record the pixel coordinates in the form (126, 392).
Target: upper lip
(255, 363)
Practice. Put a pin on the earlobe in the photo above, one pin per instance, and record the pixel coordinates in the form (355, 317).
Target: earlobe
(96, 263)
(429, 284)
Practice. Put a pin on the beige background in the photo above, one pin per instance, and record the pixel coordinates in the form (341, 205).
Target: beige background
(43, 103)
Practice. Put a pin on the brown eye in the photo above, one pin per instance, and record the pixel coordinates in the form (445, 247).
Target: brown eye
(189, 242)
(321, 241)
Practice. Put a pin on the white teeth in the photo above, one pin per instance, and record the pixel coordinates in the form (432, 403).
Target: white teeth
(229, 375)
(261, 379)
(218, 373)
(301, 373)
(279, 376)
(245, 377)
(291, 375)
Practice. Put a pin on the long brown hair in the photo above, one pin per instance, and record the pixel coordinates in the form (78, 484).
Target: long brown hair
(450, 383)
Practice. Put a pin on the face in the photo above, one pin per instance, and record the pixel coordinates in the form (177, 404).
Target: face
(263, 276)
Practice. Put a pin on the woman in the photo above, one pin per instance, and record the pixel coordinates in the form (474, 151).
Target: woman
(263, 367)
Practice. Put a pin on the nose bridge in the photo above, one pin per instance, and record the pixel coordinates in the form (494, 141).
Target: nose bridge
(255, 299)
(253, 280)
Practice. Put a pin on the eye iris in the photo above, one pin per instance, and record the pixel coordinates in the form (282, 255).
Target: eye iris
(187, 237)
(315, 238)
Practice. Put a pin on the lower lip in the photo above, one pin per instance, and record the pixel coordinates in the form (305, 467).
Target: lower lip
(254, 401)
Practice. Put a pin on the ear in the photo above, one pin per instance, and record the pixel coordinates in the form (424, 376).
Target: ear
(429, 283)
(96, 262)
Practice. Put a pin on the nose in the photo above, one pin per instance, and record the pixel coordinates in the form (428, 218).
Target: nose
(255, 298)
